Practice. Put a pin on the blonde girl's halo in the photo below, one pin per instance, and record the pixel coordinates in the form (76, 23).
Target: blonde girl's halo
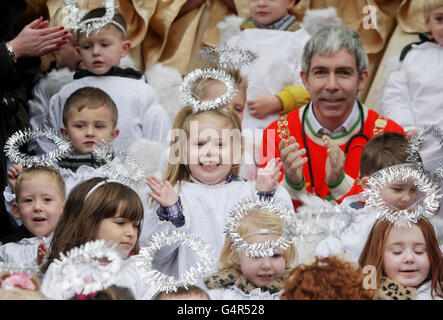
(19, 138)
(189, 98)
(403, 172)
(262, 249)
(163, 282)
(70, 269)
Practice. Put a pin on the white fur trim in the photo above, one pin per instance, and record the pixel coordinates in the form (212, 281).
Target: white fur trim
(56, 79)
(148, 152)
(166, 83)
(228, 28)
(316, 18)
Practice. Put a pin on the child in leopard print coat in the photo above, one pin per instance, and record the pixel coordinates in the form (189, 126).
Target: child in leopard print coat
(407, 260)
(240, 277)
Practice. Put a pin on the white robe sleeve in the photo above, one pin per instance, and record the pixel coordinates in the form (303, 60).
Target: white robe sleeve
(396, 100)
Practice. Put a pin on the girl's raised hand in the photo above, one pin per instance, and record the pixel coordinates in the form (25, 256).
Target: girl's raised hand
(162, 192)
(268, 176)
(13, 173)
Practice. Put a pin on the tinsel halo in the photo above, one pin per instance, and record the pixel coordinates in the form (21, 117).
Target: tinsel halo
(135, 171)
(166, 283)
(228, 57)
(416, 142)
(262, 249)
(198, 104)
(70, 269)
(316, 219)
(426, 207)
(74, 15)
(19, 138)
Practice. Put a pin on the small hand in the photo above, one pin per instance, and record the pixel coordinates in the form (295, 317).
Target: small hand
(335, 161)
(263, 106)
(411, 134)
(41, 253)
(268, 177)
(13, 173)
(162, 192)
(293, 160)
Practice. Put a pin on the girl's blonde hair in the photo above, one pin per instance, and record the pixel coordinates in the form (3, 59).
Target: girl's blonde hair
(372, 253)
(430, 5)
(255, 220)
(177, 169)
(33, 172)
(82, 217)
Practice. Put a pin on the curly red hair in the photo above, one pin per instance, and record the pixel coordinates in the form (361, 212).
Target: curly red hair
(330, 278)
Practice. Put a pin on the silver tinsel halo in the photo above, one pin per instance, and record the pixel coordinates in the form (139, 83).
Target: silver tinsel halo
(316, 219)
(427, 207)
(229, 57)
(262, 249)
(74, 15)
(416, 142)
(197, 74)
(19, 138)
(192, 276)
(135, 174)
(69, 268)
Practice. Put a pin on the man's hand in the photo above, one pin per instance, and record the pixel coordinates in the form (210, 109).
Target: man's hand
(162, 192)
(293, 160)
(268, 177)
(264, 105)
(335, 162)
(12, 175)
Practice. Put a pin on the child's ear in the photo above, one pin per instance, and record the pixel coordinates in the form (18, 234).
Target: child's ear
(114, 134)
(126, 46)
(364, 182)
(15, 210)
(64, 132)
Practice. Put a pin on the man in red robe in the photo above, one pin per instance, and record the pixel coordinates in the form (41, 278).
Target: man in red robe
(320, 144)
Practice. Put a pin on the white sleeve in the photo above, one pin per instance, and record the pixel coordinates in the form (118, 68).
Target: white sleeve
(38, 105)
(396, 99)
(9, 199)
(53, 122)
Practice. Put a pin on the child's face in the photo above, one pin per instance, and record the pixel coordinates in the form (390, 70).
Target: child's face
(400, 194)
(40, 205)
(215, 89)
(405, 258)
(103, 50)
(68, 57)
(267, 12)
(119, 230)
(88, 128)
(262, 271)
(210, 150)
(435, 24)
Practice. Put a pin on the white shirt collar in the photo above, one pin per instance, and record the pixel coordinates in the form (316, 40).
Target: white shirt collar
(349, 122)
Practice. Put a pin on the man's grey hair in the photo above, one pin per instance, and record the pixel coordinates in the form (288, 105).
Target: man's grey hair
(330, 39)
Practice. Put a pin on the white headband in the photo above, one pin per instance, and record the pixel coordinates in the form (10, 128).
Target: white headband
(93, 21)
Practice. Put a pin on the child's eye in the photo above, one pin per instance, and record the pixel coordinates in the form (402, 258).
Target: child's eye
(27, 200)
(47, 199)
(78, 125)
(276, 255)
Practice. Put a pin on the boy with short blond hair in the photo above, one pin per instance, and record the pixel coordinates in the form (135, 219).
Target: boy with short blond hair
(40, 197)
